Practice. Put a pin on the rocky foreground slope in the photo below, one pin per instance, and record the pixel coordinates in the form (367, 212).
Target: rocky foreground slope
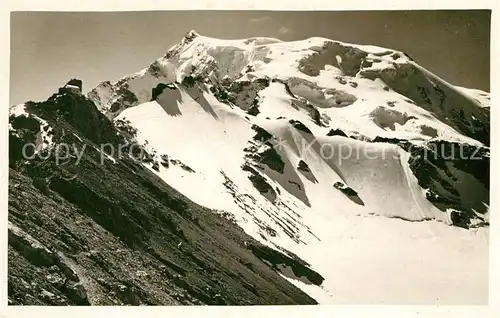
(251, 166)
(82, 231)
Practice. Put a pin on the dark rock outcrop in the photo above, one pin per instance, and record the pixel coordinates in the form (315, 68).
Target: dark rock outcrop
(349, 192)
(336, 132)
(442, 167)
(262, 134)
(303, 166)
(300, 126)
(350, 59)
(158, 89)
(299, 268)
(260, 183)
(75, 82)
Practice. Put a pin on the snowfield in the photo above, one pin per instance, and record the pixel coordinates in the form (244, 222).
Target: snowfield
(352, 208)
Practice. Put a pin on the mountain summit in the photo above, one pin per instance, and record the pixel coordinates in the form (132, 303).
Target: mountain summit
(344, 166)
(326, 72)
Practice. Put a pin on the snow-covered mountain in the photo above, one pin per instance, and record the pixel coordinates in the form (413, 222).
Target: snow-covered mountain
(354, 158)
(320, 147)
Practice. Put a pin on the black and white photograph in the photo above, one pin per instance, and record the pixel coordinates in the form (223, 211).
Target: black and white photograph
(249, 157)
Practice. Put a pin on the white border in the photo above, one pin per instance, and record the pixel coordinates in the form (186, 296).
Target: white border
(280, 5)
(493, 310)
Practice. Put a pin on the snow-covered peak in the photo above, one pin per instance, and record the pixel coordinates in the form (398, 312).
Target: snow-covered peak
(317, 141)
(391, 95)
(190, 36)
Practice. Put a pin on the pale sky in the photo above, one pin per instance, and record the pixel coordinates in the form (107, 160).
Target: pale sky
(49, 48)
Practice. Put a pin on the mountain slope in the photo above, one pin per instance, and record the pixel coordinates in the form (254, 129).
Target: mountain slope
(352, 158)
(308, 143)
(88, 228)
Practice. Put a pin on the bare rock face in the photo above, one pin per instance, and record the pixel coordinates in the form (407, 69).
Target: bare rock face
(387, 118)
(453, 163)
(321, 97)
(30, 248)
(260, 183)
(337, 132)
(42, 184)
(441, 167)
(349, 192)
(102, 94)
(243, 94)
(303, 168)
(298, 268)
(55, 278)
(344, 57)
(299, 126)
(77, 293)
